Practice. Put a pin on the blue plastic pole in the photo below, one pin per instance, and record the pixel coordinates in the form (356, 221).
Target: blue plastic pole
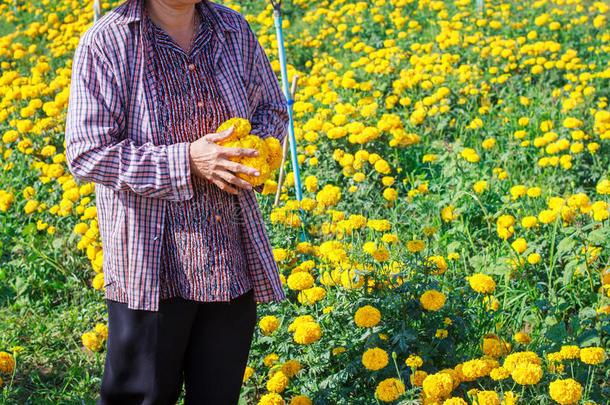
(277, 17)
(282, 57)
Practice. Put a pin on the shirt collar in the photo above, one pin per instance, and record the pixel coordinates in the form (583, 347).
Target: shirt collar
(134, 11)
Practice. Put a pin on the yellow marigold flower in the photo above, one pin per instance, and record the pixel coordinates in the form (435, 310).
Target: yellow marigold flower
(389, 389)
(438, 262)
(311, 295)
(299, 319)
(81, 228)
(98, 281)
(470, 155)
(300, 280)
(528, 222)
(414, 361)
(280, 254)
(389, 238)
(91, 341)
(329, 195)
(430, 157)
(592, 355)
(307, 332)
(526, 373)
(102, 330)
(30, 206)
(475, 368)
(338, 350)
(603, 187)
(375, 358)
(415, 245)
(311, 183)
(10, 136)
(447, 213)
(494, 347)
(247, 373)
(534, 192)
(382, 166)
(453, 256)
(271, 398)
(418, 377)
(390, 194)
(268, 324)
(488, 398)
(510, 398)
(566, 391)
(522, 337)
(291, 368)
(270, 359)
(441, 333)
(482, 283)
(7, 363)
(499, 373)
(432, 300)
(438, 385)
(480, 186)
(278, 382)
(547, 216)
(570, 352)
(519, 245)
(488, 143)
(512, 360)
(241, 128)
(505, 221)
(533, 258)
(367, 316)
(300, 400)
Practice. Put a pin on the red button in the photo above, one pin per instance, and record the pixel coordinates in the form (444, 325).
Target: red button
(191, 67)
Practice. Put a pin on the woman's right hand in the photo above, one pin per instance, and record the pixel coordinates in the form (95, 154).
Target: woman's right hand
(211, 161)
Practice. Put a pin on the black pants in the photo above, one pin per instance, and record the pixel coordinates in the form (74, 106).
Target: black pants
(203, 344)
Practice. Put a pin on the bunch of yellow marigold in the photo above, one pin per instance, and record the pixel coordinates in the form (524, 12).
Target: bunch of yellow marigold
(269, 150)
(94, 340)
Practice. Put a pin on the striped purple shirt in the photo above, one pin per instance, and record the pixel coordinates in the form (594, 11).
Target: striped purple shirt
(202, 258)
(114, 139)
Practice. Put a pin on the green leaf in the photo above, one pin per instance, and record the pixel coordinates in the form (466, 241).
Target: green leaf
(599, 236)
(588, 338)
(557, 333)
(566, 244)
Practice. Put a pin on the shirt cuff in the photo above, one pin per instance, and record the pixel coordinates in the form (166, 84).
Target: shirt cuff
(180, 170)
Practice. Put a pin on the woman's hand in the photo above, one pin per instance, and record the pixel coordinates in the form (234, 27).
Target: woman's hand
(211, 161)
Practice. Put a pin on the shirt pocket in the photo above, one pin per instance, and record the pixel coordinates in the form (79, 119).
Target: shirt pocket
(253, 93)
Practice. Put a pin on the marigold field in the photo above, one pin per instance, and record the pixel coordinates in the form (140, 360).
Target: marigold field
(456, 188)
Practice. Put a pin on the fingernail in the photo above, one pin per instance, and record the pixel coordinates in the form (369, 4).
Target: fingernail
(257, 173)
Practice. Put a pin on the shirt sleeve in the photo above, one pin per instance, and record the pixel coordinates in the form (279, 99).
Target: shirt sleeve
(270, 116)
(97, 149)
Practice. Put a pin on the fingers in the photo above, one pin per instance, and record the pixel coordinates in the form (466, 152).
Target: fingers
(241, 168)
(229, 151)
(233, 180)
(218, 136)
(223, 185)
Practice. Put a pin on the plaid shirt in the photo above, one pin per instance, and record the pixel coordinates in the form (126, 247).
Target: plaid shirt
(202, 258)
(113, 139)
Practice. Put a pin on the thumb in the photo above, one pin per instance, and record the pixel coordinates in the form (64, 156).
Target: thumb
(218, 136)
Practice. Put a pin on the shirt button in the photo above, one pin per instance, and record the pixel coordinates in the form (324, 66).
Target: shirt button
(217, 217)
(191, 67)
(200, 103)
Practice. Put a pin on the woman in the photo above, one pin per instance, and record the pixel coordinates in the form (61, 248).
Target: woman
(186, 254)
